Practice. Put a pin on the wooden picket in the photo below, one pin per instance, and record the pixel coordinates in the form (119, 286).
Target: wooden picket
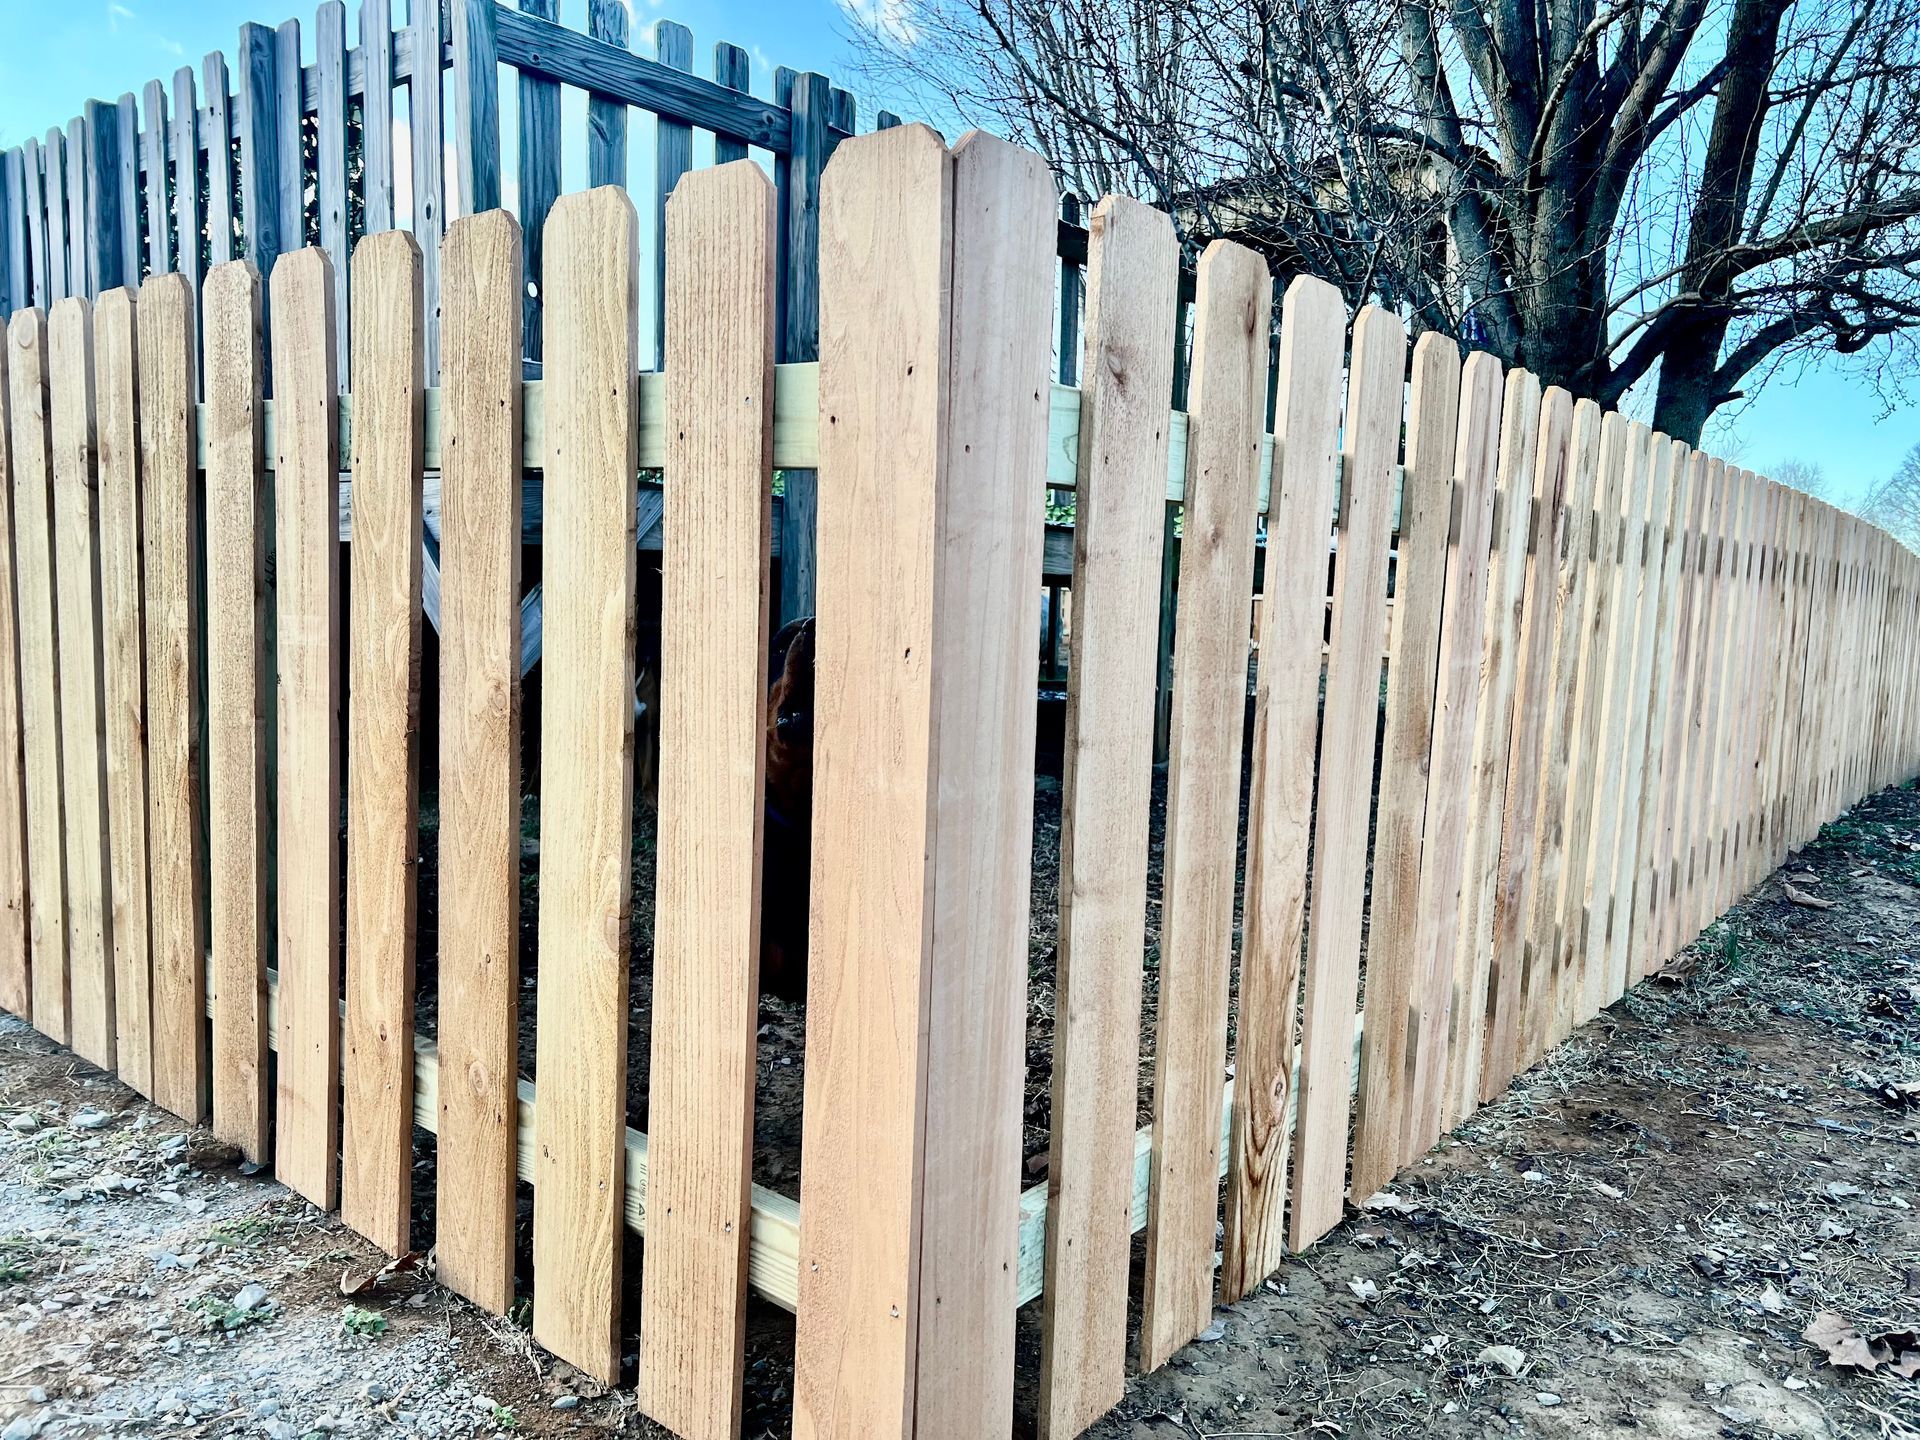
(1370, 443)
(308, 667)
(39, 671)
(236, 709)
(1234, 297)
(376, 1193)
(1132, 275)
(76, 569)
(1475, 980)
(170, 509)
(16, 972)
(1285, 730)
(479, 757)
(712, 799)
(1623, 681)
(1404, 804)
(123, 687)
(585, 814)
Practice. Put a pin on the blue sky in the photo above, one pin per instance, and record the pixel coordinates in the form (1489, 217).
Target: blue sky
(57, 56)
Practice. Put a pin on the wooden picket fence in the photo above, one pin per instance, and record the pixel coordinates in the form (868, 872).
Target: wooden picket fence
(1623, 680)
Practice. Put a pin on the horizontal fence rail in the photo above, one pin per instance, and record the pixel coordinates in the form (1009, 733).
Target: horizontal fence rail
(1623, 679)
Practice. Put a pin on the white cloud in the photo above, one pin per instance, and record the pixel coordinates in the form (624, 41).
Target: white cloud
(891, 18)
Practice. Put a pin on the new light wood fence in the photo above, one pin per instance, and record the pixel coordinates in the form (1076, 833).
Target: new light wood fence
(1623, 679)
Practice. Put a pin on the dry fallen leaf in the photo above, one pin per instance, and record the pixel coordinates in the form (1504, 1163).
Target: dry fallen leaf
(1363, 1288)
(1847, 1348)
(1510, 1358)
(1388, 1201)
(365, 1282)
(1801, 897)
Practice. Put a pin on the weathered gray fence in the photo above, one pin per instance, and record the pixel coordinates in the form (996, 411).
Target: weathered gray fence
(271, 151)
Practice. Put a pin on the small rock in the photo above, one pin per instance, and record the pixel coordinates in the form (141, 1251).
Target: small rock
(25, 1123)
(24, 1427)
(1546, 1398)
(566, 1402)
(1215, 1332)
(90, 1119)
(250, 1298)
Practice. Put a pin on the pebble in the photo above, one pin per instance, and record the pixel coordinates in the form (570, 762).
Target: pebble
(24, 1427)
(250, 1297)
(90, 1119)
(266, 1409)
(1547, 1398)
(566, 1402)
(25, 1123)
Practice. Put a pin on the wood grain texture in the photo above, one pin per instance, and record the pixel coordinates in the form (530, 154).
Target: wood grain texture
(672, 158)
(39, 672)
(236, 708)
(1370, 440)
(123, 681)
(476, 110)
(170, 513)
(1702, 697)
(1547, 879)
(60, 279)
(1132, 274)
(376, 115)
(183, 144)
(76, 588)
(1474, 468)
(538, 181)
(1667, 720)
(1492, 737)
(218, 121)
(1585, 759)
(330, 155)
(1393, 966)
(987, 608)
(713, 719)
(1286, 723)
(883, 382)
(308, 652)
(586, 812)
(479, 757)
(383, 777)
(1642, 641)
(1233, 303)
(1513, 886)
(155, 139)
(33, 189)
(426, 100)
(16, 967)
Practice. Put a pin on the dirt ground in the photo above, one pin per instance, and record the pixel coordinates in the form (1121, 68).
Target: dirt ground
(1635, 1239)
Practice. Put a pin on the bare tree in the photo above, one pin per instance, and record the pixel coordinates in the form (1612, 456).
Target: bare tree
(1806, 476)
(1684, 192)
(1894, 504)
